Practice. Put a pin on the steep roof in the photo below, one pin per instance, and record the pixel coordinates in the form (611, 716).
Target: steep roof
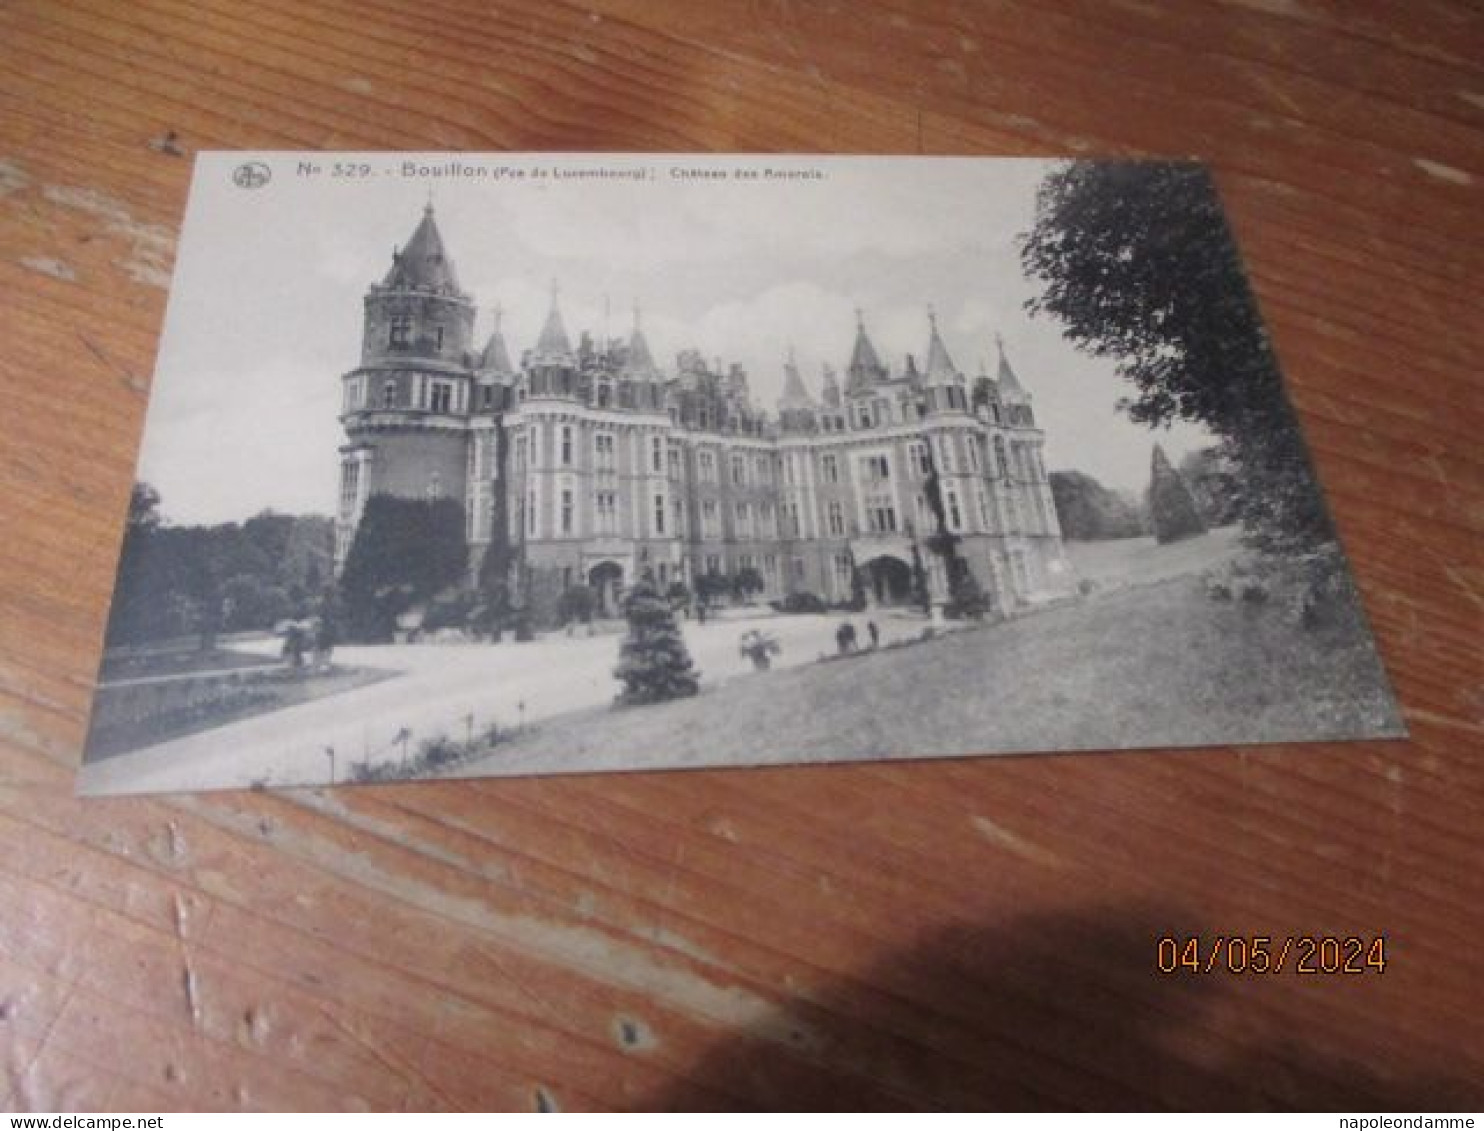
(553, 339)
(1006, 378)
(640, 360)
(423, 262)
(940, 366)
(865, 363)
(795, 395)
(496, 357)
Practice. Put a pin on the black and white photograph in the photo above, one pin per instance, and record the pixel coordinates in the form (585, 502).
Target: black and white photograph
(492, 464)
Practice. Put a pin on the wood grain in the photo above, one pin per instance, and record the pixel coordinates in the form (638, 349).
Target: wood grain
(938, 934)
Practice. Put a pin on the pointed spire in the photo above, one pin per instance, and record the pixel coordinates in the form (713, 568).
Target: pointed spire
(940, 366)
(1006, 378)
(831, 392)
(865, 368)
(553, 341)
(496, 357)
(641, 361)
(423, 262)
(795, 395)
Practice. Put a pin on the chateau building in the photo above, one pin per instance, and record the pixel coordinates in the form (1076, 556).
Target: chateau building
(600, 464)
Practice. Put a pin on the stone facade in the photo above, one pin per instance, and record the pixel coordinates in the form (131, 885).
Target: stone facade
(603, 465)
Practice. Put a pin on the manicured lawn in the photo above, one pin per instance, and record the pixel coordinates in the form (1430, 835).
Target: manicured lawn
(1137, 561)
(1149, 665)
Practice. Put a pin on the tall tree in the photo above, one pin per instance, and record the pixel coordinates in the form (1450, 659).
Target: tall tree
(404, 551)
(1137, 263)
(653, 662)
(1172, 510)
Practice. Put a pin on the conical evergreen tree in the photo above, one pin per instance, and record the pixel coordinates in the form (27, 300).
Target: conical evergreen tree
(653, 663)
(1171, 509)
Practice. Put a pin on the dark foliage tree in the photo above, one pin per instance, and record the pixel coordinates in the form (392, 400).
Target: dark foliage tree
(747, 583)
(405, 551)
(653, 663)
(577, 604)
(710, 586)
(183, 580)
(1088, 511)
(1214, 484)
(1137, 263)
(965, 597)
(1172, 511)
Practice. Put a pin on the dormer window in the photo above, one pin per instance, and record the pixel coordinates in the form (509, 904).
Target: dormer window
(400, 332)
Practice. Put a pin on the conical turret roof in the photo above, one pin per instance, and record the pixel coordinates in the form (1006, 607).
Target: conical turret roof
(795, 395)
(496, 357)
(1006, 379)
(553, 339)
(423, 262)
(940, 366)
(640, 361)
(865, 366)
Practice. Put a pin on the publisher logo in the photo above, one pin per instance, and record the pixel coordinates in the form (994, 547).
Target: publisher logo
(251, 175)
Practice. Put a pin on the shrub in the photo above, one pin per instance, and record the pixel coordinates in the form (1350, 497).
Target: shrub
(799, 603)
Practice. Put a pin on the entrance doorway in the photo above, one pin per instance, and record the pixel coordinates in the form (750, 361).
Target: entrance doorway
(889, 580)
(606, 579)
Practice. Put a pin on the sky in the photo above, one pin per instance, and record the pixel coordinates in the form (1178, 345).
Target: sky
(265, 312)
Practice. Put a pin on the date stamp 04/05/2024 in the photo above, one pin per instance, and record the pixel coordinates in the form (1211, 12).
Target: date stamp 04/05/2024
(1270, 954)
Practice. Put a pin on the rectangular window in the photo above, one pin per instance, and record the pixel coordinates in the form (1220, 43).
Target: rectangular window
(984, 515)
(837, 518)
(766, 526)
(603, 451)
(400, 332)
(659, 514)
(918, 454)
(441, 397)
(739, 470)
(531, 514)
(744, 521)
(830, 466)
(566, 445)
(763, 470)
(842, 573)
(706, 461)
(945, 452)
(881, 514)
(975, 459)
(878, 469)
(713, 564)
(708, 518)
(955, 516)
(566, 512)
(656, 454)
(674, 462)
(438, 337)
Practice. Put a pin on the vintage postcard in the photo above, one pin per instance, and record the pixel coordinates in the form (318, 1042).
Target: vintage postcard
(488, 464)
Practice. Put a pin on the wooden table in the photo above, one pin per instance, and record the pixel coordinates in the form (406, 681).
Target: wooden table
(941, 934)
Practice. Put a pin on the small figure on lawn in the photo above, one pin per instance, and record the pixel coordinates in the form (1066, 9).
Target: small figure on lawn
(845, 638)
(757, 646)
(875, 634)
(295, 643)
(324, 643)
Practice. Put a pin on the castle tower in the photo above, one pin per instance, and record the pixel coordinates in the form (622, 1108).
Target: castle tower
(406, 406)
(797, 411)
(943, 384)
(865, 368)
